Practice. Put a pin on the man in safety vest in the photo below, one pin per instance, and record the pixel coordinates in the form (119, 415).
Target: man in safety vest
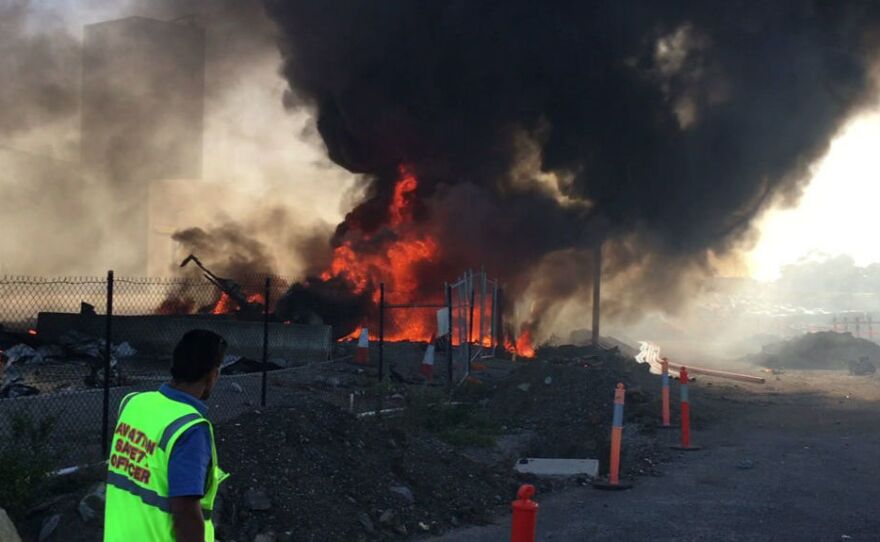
(162, 472)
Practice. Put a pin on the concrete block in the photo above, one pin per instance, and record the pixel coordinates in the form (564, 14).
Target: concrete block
(558, 467)
(158, 333)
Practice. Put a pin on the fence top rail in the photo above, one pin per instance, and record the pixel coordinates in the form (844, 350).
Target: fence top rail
(415, 306)
(32, 280)
(40, 281)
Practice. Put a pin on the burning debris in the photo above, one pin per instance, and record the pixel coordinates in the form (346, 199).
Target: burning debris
(380, 243)
(232, 297)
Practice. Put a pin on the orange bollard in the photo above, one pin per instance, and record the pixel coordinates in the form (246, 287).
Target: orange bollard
(664, 363)
(525, 515)
(685, 414)
(616, 437)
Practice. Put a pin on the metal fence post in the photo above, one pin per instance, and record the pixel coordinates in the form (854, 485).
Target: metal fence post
(449, 323)
(470, 331)
(108, 352)
(265, 340)
(381, 331)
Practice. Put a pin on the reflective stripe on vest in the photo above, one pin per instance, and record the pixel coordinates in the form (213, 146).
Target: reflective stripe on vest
(174, 427)
(150, 497)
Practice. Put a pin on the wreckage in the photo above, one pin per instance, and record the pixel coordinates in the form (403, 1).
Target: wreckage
(248, 308)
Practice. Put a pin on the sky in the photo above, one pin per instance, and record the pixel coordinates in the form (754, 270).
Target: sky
(839, 212)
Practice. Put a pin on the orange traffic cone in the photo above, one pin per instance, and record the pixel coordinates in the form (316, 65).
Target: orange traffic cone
(427, 368)
(362, 355)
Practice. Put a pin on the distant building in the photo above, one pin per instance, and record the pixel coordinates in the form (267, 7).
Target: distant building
(142, 119)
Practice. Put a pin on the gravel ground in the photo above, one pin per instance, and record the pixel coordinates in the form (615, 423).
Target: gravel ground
(793, 460)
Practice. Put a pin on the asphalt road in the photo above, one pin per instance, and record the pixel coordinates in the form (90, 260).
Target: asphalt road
(797, 459)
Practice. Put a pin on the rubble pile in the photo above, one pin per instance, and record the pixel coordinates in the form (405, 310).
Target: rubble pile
(315, 462)
(822, 350)
(23, 355)
(565, 398)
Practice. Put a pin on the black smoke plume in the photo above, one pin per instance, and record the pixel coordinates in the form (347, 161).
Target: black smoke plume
(538, 127)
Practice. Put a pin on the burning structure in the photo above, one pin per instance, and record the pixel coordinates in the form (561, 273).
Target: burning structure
(523, 135)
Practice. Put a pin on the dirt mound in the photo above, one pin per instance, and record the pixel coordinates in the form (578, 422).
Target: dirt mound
(330, 476)
(822, 350)
(567, 401)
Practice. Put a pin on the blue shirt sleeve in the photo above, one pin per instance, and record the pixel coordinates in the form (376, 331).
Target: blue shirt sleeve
(189, 461)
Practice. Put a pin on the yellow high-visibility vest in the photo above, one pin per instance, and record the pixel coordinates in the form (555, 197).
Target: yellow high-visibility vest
(138, 506)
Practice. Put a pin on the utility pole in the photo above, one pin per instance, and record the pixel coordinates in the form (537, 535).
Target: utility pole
(597, 284)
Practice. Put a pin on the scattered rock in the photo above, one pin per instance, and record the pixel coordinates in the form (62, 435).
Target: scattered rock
(257, 500)
(49, 526)
(745, 464)
(7, 529)
(404, 493)
(366, 522)
(91, 507)
(266, 537)
(524, 386)
(548, 380)
(387, 517)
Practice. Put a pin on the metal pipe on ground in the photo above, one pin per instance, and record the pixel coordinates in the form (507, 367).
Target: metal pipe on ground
(740, 377)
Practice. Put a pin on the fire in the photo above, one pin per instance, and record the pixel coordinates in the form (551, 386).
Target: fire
(365, 260)
(226, 304)
(524, 346)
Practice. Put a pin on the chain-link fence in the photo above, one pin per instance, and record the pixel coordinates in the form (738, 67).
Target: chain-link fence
(461, 325)
(71, 348)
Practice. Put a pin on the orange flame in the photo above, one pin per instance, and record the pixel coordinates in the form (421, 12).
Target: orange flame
(395, 263)
(524, 346)
(226, 304)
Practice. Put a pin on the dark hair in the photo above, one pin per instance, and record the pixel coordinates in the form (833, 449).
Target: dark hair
(197, 353)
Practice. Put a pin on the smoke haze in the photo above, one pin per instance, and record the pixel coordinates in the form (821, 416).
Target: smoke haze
(263, 174)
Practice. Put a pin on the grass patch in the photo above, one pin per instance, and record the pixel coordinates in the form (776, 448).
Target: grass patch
(458, 425)
(25, 462)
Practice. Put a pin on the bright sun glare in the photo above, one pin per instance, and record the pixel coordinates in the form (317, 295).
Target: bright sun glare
(838, 211)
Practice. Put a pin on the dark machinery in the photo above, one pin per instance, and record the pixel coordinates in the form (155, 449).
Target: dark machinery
(246, 309)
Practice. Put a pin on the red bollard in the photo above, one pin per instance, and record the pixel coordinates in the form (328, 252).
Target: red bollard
(664, 363)
(525, 515)
(685, 414)
(616, 437)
